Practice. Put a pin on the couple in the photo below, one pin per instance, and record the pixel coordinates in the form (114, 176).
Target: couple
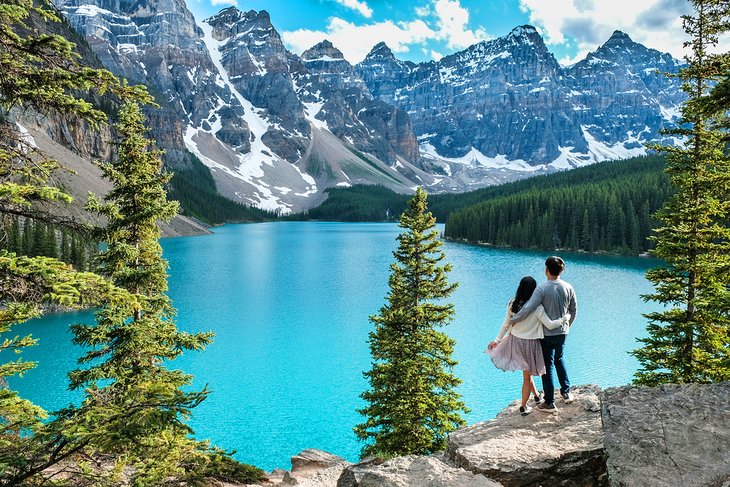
(535, 340)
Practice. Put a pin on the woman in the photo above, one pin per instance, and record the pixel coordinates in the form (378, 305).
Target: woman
(520, 350)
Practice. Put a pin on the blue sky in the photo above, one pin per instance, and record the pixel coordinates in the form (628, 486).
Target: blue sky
(421, 30)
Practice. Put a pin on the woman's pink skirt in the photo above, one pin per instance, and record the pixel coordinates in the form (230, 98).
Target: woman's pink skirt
(514, 353)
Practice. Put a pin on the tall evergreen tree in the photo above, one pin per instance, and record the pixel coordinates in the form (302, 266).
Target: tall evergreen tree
(412, 402)
(28, 445)
(37, 71)
(688, 339)
(131, 391)
(135, 406)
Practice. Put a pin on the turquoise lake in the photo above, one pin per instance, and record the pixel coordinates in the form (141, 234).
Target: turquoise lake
(289, 303)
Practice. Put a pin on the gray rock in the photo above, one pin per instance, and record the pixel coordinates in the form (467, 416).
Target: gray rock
(311, 460)
(411, 471)
(671, 435)
(563, 449)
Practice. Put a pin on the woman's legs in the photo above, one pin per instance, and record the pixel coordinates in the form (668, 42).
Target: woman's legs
(527, 386)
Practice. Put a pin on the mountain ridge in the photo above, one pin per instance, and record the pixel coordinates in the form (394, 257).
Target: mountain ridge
(276, 129)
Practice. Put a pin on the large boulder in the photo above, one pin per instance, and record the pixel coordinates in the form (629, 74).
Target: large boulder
(411, 471)
(561, 449)
(670, 435)
(312, 460)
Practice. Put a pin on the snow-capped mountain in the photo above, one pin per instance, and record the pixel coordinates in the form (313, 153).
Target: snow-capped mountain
(508, 104)
(277, 129)
(270, 126)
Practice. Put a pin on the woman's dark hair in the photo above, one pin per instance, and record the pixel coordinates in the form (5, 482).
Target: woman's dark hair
(524, 292)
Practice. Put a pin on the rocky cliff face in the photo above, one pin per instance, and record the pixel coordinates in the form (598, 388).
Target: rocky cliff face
(350, 111)
(508, 103)
(156, 43)
(248, 108)
(621, 96)
(276, 129)
(667, 436)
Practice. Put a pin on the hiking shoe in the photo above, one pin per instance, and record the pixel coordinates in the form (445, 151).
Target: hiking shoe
(525, 410)
(539, 398)
(547, 408)
(567, 397)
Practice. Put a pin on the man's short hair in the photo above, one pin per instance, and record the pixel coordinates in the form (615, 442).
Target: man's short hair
(555, 265)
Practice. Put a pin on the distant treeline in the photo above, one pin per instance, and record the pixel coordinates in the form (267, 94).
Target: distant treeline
(195, 189)
(610, 210)
(602, 207)
(36, 238)
(359, 203)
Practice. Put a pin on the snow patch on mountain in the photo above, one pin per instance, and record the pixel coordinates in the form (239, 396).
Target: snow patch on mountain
(603, 152)
(475, 158)
(250, 166)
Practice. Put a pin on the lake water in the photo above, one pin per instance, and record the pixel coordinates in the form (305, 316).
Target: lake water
(289, 303)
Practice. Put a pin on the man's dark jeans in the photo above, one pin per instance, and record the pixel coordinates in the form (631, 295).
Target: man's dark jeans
(552, 352)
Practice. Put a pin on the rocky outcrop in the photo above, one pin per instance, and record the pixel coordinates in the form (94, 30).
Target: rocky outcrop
(668, 436)
(411, 471)
(671, 435)
(564, 449)
(312, 460)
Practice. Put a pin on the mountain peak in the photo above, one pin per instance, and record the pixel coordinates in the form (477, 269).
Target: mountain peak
(322, 50)
(619, 37)
(525, 34)
(380, 51)
(619, 44)
(228, 15)
(231, 15)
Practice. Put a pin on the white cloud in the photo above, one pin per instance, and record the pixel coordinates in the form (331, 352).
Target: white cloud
(355, 41)
(423, 11)
(215, 3)
(440, 20)
(570, 60)
(453, 22)
(358, 6)
(654, 23)
(436, 55)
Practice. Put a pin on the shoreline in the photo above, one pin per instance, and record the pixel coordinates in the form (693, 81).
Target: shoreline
(601, 253)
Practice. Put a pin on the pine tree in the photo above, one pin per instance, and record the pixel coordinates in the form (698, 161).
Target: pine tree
(41, 72)
(27, 239)
(135, 405)
(16, 242)
(28, 446)
(412, 402)
(688, 340)
(65, 247)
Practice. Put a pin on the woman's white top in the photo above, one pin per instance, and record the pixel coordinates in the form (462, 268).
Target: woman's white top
(531, 327)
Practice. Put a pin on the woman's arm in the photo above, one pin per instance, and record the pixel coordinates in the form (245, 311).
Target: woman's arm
(503, 329)
(551, 324)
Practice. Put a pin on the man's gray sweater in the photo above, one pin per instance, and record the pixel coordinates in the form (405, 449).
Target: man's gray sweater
(557, 297)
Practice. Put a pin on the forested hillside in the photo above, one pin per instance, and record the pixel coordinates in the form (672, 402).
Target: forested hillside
(603, 207)
(607, 207)
(194, 188)
(359, 203)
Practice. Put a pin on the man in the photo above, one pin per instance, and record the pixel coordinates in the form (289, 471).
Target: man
(557, 297)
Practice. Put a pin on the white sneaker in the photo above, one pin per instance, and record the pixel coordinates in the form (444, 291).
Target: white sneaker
(568, 397)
